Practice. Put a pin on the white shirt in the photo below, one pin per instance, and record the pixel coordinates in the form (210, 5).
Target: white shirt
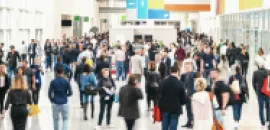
(24, 49)
(2, 81)
(86, 54)
(267, 62)
(119, 55)
(223, 50)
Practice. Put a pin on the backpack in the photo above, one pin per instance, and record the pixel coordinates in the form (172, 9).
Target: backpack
(266, 88)
(153, 83)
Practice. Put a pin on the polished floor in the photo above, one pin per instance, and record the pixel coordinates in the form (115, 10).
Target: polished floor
(250, 118)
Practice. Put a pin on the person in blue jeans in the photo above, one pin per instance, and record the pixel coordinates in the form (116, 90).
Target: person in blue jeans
(59, 91)
(172, 97)
(207, 64)
(263, 100)
(107, 88)
(87, 78)
(38, 70)
(240, 98)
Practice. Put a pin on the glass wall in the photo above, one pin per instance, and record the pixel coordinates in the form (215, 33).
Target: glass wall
(250, 28)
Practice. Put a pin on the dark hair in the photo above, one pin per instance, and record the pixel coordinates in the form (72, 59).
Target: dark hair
(84, 59)
(152, 66)
(132, 79)
(86, 68)
(198, 74)
(188, 55)
(25, 61)
(59, 59)
(166, 50)
(59, 70)
(238, 70)
(216, 69)
(174, 69)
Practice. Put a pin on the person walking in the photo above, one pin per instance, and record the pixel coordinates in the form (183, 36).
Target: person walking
(12, 58)
(180, 55)
(38, 71)
(241, 97)
(119, 62)
(19, 97)
(4, 86)
(87, 78)
(32, 51)
(129, 96)
(59, 91)
(201, 106)
(107, 89)
(263, 100)
(24, 51)
(172, 98)
(48, 54)
(223, 66)
(136, 65)
(153, 79)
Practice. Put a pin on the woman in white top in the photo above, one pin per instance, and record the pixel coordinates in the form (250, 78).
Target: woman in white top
(171, 53)
(260, 57)
(201, 106)
(188, 60)
(223, 66)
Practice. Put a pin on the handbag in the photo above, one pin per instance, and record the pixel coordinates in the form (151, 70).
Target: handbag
(156, 114)
(235, 86)
(266, 88)
(90, 90)
(33, 110)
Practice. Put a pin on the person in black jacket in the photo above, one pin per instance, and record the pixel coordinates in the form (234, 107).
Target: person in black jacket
(244, 60)
(107, 89)
(257, 82)
(48, 53)
(166, 59)
(32, 51)
(172, 98)
(4, 86)
(1, 53)
(19, 97)
(188, 80)
(78, 72)
(12, 59)
(151, 85)
(55, 51)
(128, 101)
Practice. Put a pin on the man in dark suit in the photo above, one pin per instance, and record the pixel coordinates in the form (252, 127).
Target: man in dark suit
(188, 79)
(172, 98)
(12, 59)
(166, 58)
(32, 51)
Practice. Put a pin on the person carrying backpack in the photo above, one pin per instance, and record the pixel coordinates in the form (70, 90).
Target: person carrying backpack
(263, 100)
(241, 97)
(223, 95)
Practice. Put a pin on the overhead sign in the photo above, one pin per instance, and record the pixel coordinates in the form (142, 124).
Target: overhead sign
(131, 4)
(158, 14)
(142, 9)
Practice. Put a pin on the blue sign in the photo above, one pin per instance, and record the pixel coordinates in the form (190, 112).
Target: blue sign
(142, 10)
(158, 14)
(131, 4)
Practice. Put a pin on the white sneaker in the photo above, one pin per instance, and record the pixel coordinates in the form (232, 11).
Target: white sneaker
(236, 124)
(98, 128)
(110, 126)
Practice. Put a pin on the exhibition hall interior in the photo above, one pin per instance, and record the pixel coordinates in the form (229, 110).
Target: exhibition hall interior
(38, 36)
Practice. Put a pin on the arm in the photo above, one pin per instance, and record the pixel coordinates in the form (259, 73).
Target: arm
(69, 92)
(225, 100)
(183, 95)
(254, 82)
(139, 93)
(50, 92)
(19, 57)
(29, 98)
(8, 101)
(33, 81)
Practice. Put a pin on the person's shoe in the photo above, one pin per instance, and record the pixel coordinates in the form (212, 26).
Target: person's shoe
(98, 128)
(190, 126)
(85, 118)
(110, 126)
(187, 125)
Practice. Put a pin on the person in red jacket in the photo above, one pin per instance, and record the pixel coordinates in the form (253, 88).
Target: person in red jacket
(180, 55)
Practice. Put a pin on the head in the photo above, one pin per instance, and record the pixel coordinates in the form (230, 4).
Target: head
(244, 49)
(138, 52)
(200, 84)
(36, 61)
(59, 71)
(2, 70)
(260, 52)
(132, 80)
(86, 68)
(22, 42)
(215, 73)
(152, 65)
(208, 50)
(172, 46)
(12, 48)
(59, 59)
(24, 64)
(32, 41)
(18, 83)
(165, 52)
(105, 72)
(19, 71)
(175, 70)
(221, 40)
(238, 70)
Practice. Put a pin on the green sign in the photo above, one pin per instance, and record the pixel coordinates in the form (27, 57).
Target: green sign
(86, 19)
(77, 18)
(104, 20)
(123, 18)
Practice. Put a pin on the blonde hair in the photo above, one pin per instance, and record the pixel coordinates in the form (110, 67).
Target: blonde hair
(4, 67)
(200, 84)
(18, 83)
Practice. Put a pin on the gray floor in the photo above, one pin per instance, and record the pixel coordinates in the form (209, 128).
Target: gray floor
(250, 118)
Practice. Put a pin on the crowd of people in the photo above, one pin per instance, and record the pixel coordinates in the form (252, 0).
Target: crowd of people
(204, 76)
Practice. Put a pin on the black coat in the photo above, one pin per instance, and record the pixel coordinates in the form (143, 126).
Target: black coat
(7, 85)
(172, 95)
(13, 59)
(128, 101)
(258, 79)
(101, 65)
